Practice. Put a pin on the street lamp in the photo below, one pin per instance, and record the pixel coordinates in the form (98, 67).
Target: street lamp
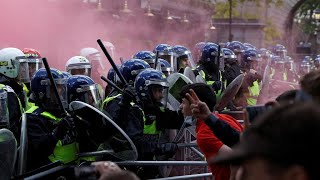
(169, 17)
(99, 6)
(212, 27)
(149, 13)
(126, 8)
(185, 19)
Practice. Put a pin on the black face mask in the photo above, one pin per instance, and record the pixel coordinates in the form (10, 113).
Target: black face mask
(52, 107)
(211, 66)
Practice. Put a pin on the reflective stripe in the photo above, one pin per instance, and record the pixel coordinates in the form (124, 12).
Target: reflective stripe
(29, 105)
(64, 153)
(151, 128)
(108, 99)
(210, 83)
(50, 116)
(285, 78)
(253, 94)
(32, 109)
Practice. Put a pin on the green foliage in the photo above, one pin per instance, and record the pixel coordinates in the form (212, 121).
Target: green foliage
(277, 3)
(271, 33)
(305, 12)
(222, 8)
(251, 16)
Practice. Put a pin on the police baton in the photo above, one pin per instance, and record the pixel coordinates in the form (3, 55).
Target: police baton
(111, 83)
(46, 65)
(111, 62)
(219, 51)
(156, 60)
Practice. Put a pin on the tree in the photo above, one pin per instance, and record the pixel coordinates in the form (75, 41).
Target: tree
(222, 8)
(305, 13)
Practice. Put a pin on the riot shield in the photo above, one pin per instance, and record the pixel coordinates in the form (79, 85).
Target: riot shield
(189, 74)
(265, 83)
(8, 152)
(176, 81)
(199, 79)
(115, 141)
(23, 146)
(229, 93)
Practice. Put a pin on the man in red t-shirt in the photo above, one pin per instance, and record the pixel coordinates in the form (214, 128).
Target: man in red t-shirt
(216, 133)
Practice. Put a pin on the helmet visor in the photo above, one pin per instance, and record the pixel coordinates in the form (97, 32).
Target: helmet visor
(34, 65)
(80, 71)
(185, 60)
(62, 91)
(254, 65)
(281, 53)
(159, 94)
(150, 62)
(166, 71)
(23, 75)
(305, 68)
(171, 59)
(90, 95)
(158, 90)
(4, 113)
(96, 60)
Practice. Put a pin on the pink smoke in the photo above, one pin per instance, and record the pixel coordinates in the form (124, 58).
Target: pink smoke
(60, 29)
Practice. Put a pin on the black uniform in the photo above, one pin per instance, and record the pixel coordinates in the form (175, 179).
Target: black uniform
(18, 89)
(15, 112)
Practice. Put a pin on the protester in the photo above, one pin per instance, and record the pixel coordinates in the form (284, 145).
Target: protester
(275, 146)
(310, 83)
(216, 133)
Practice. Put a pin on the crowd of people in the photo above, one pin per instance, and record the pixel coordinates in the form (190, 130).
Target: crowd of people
(135, 117)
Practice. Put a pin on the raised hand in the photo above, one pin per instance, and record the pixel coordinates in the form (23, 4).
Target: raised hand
(198, 108)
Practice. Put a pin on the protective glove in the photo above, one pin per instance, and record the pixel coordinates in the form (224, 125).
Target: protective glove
(63, 127)
(169, 149)
(128, 96)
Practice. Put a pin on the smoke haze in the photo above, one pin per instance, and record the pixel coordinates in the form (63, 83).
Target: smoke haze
(60, 29)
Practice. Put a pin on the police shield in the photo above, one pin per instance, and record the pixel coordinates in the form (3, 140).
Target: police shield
(229, 93)
(264, 93)
(189, 74)
(199, 79)
(8, 151)
(176, 81)
(110, 138)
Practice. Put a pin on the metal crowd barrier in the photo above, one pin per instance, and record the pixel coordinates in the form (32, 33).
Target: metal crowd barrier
(193, 176)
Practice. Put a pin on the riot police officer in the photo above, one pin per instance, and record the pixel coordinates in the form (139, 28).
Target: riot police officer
(147, 56)
(184, 58)
(51, 136)
(250, 87)
(232, 68)
(10, 71)
(164, 67)
(10, 110)
(209, 68)
(166, 52)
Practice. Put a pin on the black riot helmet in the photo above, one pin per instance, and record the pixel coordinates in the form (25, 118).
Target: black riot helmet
(211, 57)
